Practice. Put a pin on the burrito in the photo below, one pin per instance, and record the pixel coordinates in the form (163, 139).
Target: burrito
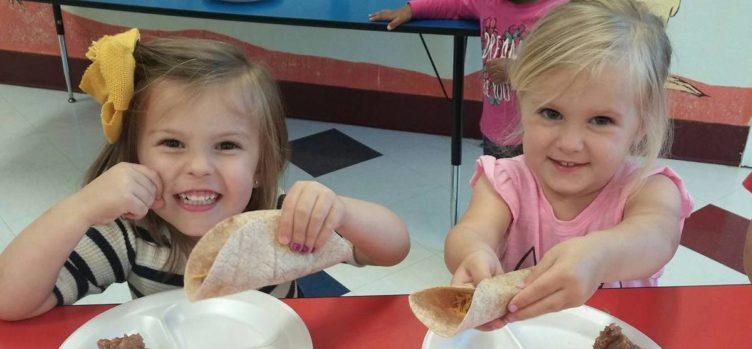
(242, 253)
(448, 310)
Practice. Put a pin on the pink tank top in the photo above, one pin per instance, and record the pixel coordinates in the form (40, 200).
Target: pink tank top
(535, 228)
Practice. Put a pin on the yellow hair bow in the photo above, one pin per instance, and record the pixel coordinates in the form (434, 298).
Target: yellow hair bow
(109, 78)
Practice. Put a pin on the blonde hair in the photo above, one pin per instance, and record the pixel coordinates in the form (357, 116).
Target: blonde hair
(201, 64)
(584, 36)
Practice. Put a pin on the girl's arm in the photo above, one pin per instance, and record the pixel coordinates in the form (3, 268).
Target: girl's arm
(444, 9)
(29, 266)
(379, 237)
(647, 237)
(438, 9)
(483, 227)
(636, 248)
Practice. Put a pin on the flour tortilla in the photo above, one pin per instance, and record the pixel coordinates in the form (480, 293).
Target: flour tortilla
(242, 253)
(448, 310)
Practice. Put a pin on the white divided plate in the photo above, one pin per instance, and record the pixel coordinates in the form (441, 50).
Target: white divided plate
(249, 319)
(570, 328)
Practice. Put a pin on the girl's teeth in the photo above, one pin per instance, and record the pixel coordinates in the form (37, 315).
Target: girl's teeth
(198, 199)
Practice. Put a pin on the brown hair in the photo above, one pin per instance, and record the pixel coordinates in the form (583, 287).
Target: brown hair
(583, 36)
(201, 64)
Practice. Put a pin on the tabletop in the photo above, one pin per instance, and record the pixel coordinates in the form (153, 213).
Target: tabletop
(674, 317)
(344, 14)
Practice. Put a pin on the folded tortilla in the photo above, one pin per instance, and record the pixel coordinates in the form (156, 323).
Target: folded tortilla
(242, 253)
(448, 310)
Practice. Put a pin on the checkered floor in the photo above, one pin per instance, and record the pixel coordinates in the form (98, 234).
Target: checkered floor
(46, 144)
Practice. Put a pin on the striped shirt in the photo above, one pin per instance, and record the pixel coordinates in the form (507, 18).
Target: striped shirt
(119, 252)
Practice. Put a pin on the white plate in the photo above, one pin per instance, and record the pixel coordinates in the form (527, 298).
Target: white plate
(571, 328)
(249, 319)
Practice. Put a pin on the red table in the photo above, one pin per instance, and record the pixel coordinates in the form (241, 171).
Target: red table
(675, 317)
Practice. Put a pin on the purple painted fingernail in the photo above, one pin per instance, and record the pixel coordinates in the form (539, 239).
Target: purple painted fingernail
(512, 308)
(305, 249)
(313, 249)
(295, 246)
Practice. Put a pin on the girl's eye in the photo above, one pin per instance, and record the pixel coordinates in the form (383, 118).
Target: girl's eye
(228, 146)
(602, 120)
(171, 143)
(550, 114)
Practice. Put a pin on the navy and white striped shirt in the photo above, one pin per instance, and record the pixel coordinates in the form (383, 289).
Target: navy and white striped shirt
(119, 252)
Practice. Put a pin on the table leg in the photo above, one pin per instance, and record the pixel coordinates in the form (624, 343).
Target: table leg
(458, 78)
(63, 51)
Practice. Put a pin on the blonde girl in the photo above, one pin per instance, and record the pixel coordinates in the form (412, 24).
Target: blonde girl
(584, 206)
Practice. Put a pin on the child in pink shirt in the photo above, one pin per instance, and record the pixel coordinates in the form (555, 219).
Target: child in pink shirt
(504, 24)
(584, 206)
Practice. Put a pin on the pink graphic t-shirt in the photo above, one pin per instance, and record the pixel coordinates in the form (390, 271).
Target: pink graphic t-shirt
(535, 229)
(503, 26)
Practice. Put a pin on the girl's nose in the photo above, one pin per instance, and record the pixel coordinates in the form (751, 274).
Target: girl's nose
(200, 164)
(570, 140)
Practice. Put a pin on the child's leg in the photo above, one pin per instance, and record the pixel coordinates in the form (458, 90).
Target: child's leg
(500, 151)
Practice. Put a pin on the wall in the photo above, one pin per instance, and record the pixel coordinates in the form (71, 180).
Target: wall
(711, 92)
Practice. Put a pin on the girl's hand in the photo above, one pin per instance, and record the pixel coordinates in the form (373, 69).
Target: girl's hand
(497, 70)
(566, 277)
(311, 212)
(123, 190)
(476, 267)
(395, 17)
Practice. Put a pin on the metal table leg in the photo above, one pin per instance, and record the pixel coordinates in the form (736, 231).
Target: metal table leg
(63, 51)
(458, 77)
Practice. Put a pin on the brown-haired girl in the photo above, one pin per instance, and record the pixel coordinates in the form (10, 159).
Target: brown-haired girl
(196, 134)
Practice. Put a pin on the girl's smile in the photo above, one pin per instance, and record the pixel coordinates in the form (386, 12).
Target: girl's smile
(566, 167)
(197, 200)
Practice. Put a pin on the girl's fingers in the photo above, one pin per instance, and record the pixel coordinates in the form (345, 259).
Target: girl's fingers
(396, 22)
(137, 209)
(479, 274)
(319, 214)
(461, 277)
(144, 196)
(322, 237)
(154, 180)
(532, 292)
(141, 181)
(301, 218)
(150, 180)
(540, 269)
(379, 15)
(327, 229)
(284, 236)
(552, 302)
(492, 325)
